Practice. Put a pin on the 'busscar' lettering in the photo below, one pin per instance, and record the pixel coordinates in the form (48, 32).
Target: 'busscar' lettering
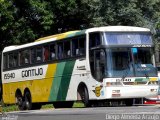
(32, 72)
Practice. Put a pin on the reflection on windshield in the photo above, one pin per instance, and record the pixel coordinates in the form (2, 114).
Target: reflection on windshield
(142, 55)
(143, 63)
(118, 60)
(129, 62)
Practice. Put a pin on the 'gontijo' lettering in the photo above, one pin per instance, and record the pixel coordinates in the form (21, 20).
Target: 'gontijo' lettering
(32, 72)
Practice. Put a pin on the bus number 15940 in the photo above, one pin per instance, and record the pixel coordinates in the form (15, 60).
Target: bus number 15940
(9, 75)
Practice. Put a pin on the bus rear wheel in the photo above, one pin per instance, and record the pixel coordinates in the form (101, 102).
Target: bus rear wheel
(28, 102)
(20, 102)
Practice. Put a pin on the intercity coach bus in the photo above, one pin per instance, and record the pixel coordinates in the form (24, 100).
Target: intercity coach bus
(97, 64)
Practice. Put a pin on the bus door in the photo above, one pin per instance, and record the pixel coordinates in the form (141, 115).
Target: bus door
(97, 65)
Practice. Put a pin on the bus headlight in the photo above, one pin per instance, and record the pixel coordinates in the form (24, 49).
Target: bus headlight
(153, 83)
(109, 84)
(153, 90)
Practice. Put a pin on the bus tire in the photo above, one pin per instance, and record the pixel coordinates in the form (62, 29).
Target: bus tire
(20, 102)
(65, 104)
(28, 101)
(85, 97)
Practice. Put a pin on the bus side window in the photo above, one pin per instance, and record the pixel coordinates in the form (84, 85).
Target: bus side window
(13, 60)
(33, 55)
(46, 53)
(39, 54)
(52, 52)
(5, 61)
(82, 46)
(94, 39)
(24, 57)
(20, 58)
(60, 50)
(67, 51)
(10, 60)
(75, 50)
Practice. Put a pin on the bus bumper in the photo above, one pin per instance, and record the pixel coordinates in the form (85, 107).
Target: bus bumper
(131, 92)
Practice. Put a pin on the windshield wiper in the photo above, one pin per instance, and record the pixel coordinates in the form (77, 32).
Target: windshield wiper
(126, 72)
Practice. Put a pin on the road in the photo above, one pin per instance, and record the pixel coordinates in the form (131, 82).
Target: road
(98, 113)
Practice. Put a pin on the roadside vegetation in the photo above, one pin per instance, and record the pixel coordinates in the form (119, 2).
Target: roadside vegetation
(10, 108)
(23, 21)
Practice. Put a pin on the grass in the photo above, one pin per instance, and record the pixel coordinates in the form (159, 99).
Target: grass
(78, 105)
(10, 108)
(47, 106)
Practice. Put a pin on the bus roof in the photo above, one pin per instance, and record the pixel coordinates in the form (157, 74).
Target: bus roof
(45, 40)
(63, 35)
(119, 29)
(77, 33)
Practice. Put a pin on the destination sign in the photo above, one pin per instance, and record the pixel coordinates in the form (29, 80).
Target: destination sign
(127, 39)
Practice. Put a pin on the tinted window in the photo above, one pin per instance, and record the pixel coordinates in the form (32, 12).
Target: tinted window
(60, 50)
(52, 52)
(39, 54)
(46, 53)
(75, 50)
(94, 39)
(67, 50)
(78, 46)
(82, 46)
(24, 57)
(13, 60)
(33, 55)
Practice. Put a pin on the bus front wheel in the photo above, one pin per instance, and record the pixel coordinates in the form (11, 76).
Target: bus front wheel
(85, 97)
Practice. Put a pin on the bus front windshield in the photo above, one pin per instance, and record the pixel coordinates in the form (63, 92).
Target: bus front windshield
(129, 62)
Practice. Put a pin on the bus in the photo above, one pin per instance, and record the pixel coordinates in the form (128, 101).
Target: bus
(94, 65)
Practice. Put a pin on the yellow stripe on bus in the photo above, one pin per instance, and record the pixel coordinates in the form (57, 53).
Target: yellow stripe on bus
(57, 36)
(40, 89)
(153, 79)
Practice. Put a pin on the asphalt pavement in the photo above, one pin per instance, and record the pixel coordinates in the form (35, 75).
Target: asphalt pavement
(96, 113)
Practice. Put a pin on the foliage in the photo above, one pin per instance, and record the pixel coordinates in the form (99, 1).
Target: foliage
(9, 108)
(23, 21)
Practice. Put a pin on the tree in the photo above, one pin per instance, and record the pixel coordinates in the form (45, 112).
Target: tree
(128, 12)
(70, 14)
(24, 21)
(6, 21)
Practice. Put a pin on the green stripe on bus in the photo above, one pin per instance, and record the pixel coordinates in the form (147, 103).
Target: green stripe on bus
(56, 81)
(77, 33)
(141, 79)
(65, 81)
